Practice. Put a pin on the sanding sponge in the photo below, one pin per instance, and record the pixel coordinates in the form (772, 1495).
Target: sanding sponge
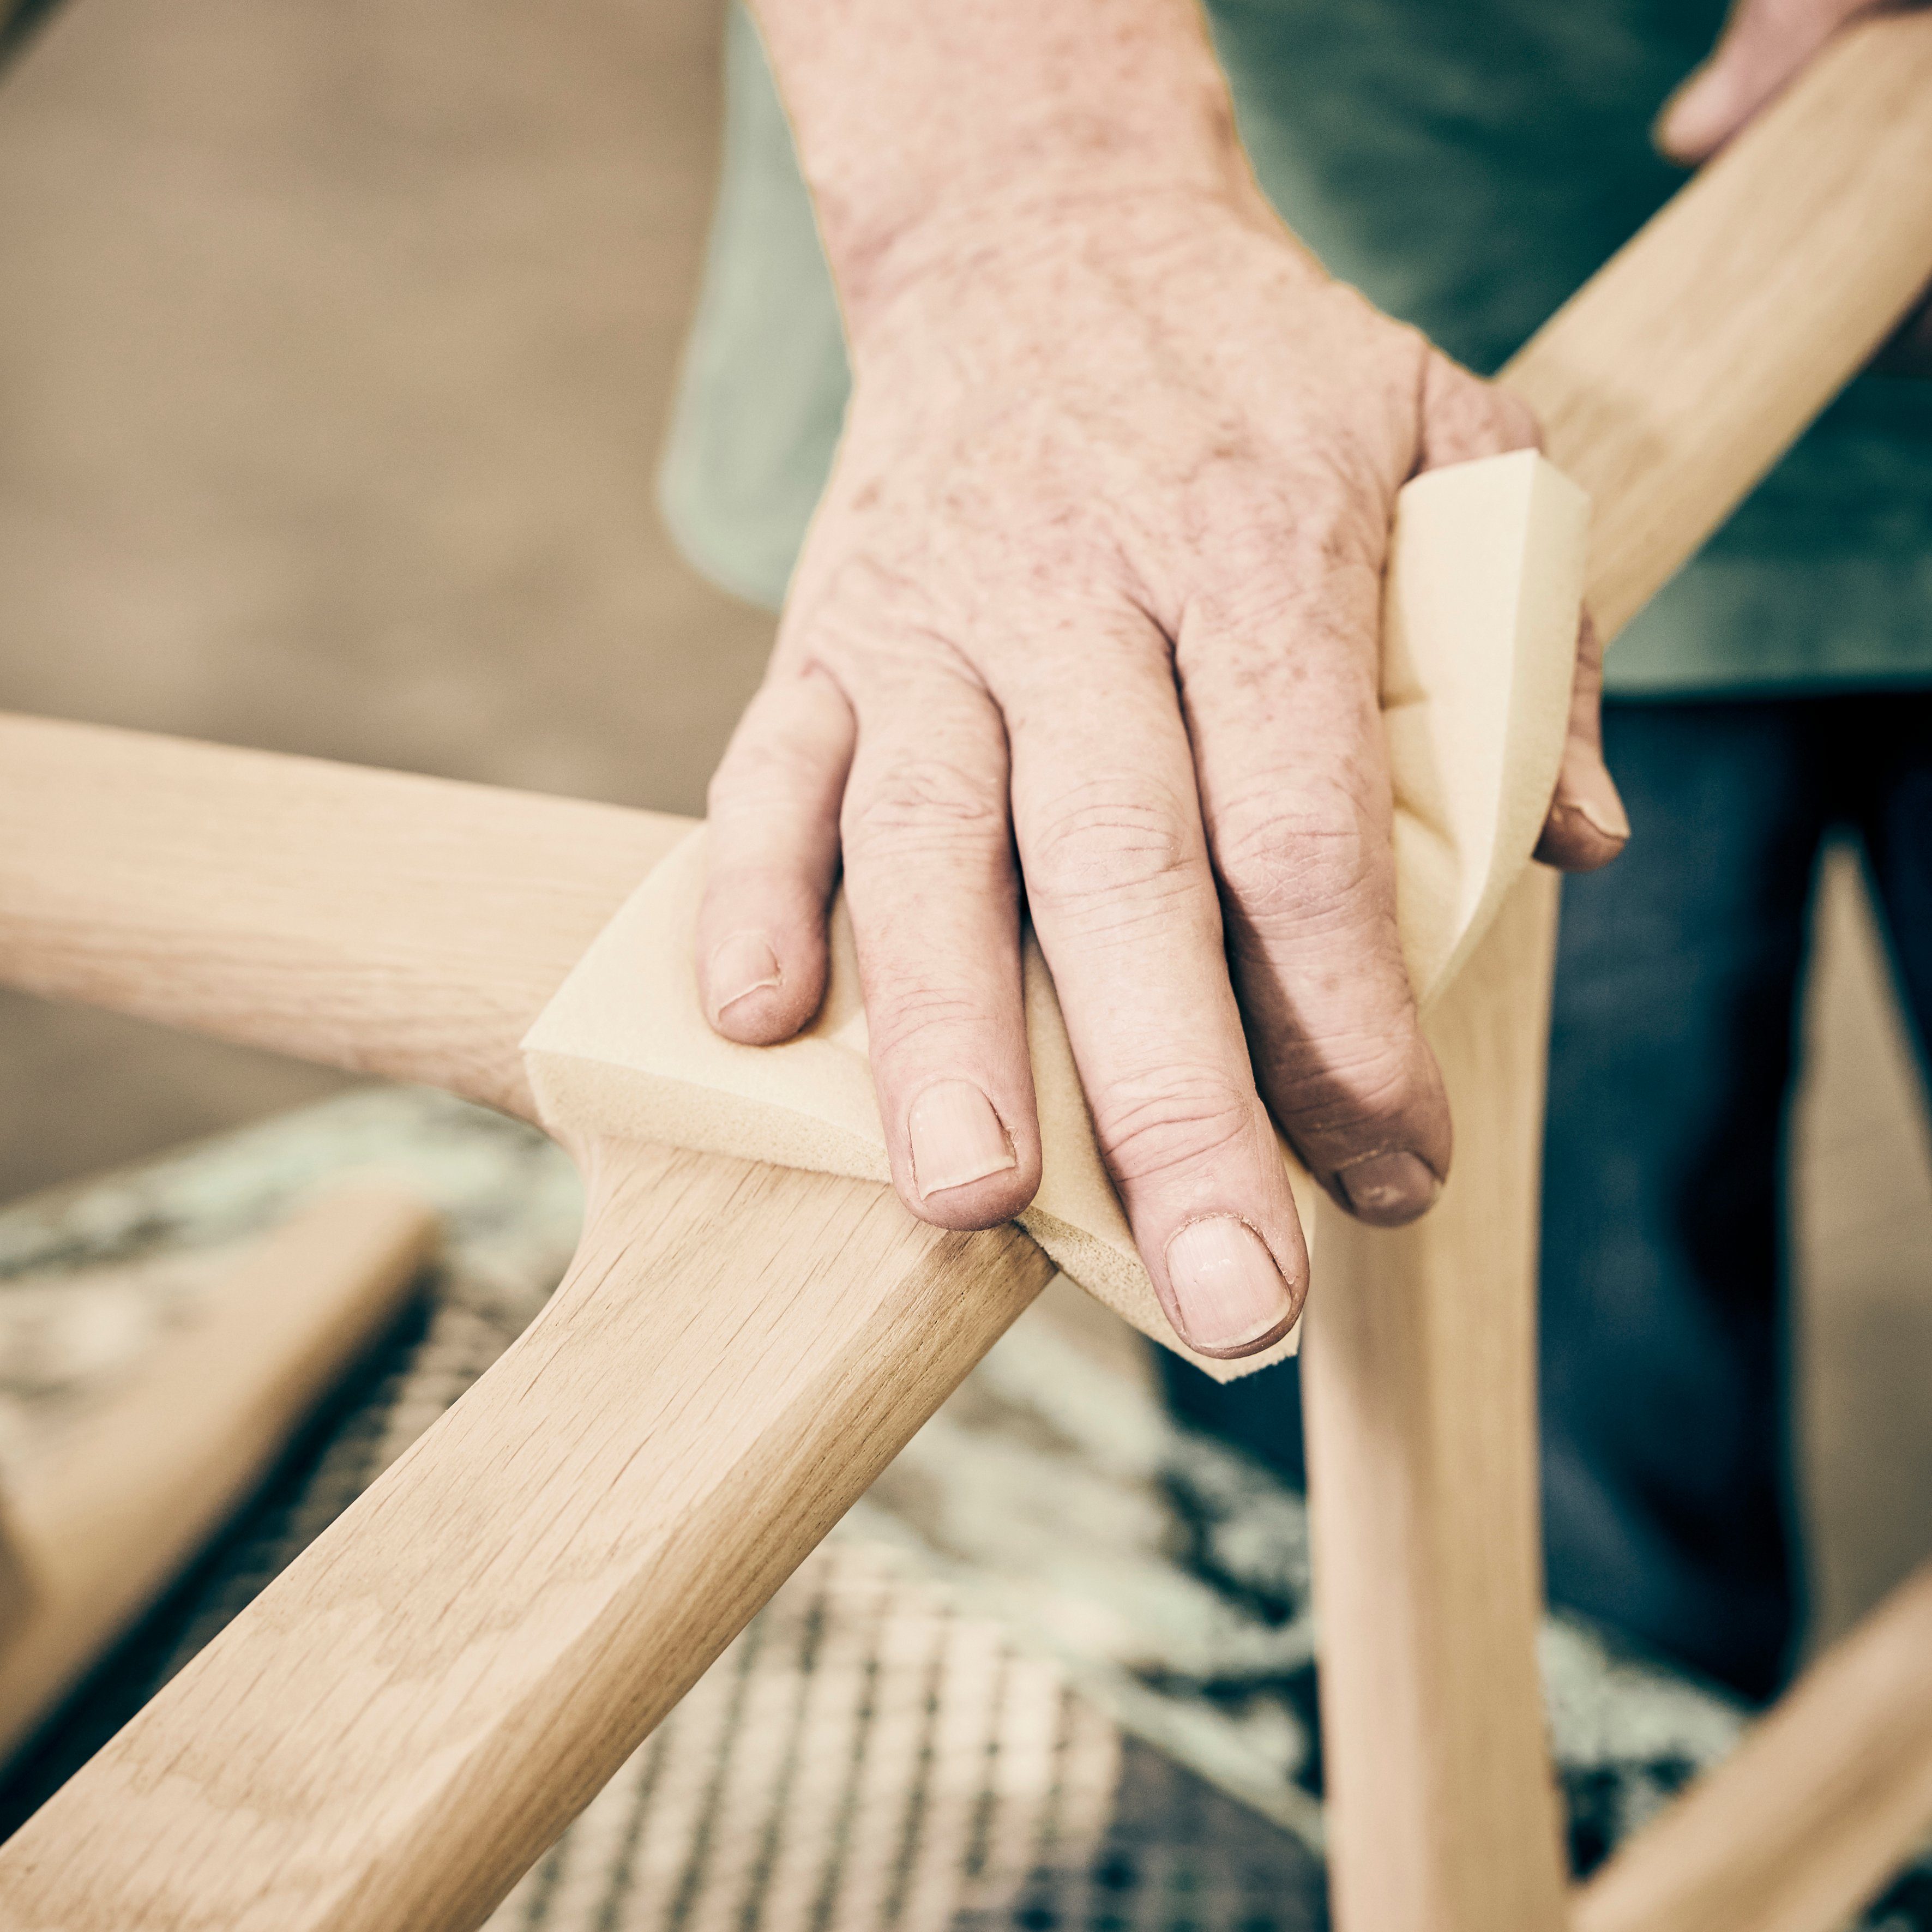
(1481, 612)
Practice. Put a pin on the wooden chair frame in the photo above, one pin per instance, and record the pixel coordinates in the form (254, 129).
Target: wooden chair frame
(398, 1726)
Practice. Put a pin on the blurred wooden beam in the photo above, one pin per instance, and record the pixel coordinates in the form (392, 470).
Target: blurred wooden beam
(139, 1481)
(1802, 1825)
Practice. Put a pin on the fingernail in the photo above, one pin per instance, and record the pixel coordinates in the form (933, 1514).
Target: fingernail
(743, 964)
(1387, 1189)
(1227, 1293)
(1590, 793)
(956, 1138)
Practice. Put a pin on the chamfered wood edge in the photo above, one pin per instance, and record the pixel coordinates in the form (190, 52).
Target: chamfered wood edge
(1685, 367)
(1419, 1382)
(1666, 388)
(414, 927)
(467, 1053)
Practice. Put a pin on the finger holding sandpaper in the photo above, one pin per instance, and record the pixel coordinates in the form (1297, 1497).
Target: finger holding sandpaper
(1483, 600)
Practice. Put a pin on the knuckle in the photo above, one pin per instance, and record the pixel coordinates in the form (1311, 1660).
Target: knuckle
(1277, 541)
(923, 804)
(1170, 1120)
(1475, 418)
(1517, 420)
(1347, 1090)
(1296, 856)
(764, 771)
(1112, 852)
(928, 1013)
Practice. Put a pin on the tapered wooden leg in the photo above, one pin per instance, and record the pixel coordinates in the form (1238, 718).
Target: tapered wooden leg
(399, 1725)
(1420, 1368)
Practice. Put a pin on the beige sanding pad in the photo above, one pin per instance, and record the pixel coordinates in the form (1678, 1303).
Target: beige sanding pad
(1485, 584)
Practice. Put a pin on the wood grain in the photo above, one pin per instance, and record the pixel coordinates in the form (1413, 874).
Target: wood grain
(390, 924)
(1484, 582)
(139, 1483)
(1419, 1374)
(1803, 1824)
(1667, 387)
(400, 1724)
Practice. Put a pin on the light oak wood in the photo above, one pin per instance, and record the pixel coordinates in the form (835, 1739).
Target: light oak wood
(1804, 1823)
(377, 921)
(1690, 362)
(748, 1347)
(402, 1721)
(1484, 589)
(406, 1719)
(137, 1483)
(1419, 1371)
(1667, 387)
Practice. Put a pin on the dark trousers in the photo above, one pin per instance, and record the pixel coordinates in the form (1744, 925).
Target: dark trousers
(1668, 1496)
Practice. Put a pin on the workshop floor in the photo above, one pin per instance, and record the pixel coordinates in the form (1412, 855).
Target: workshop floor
(334, 346)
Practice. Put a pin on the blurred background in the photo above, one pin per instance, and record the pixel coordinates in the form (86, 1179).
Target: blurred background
(335, 346)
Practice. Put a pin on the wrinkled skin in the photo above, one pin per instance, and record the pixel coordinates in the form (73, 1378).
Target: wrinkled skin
(1088, 623)
(1096, 588)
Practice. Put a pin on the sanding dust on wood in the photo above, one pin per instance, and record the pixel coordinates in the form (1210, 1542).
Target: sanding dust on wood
(1484, 587)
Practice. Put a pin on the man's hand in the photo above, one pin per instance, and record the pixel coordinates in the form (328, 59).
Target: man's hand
(1092, 609)
(1766, 45)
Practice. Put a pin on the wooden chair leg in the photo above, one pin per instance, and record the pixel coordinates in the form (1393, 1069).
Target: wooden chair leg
(401, 1724)
(1419, 1374)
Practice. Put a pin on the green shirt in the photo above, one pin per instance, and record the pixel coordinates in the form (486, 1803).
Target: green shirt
(1467, 164)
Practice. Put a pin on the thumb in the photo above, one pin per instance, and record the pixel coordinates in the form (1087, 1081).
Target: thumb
(1764, 45)
(1586, 827)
